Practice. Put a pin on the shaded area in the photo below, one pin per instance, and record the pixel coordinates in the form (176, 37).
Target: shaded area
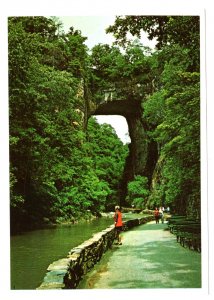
(150, 257)
(125, 108)
(143, 152)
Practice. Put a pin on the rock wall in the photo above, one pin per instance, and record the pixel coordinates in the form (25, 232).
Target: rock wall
(66, 273)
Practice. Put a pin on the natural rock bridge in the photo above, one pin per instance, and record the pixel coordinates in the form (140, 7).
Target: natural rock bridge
(143, 154)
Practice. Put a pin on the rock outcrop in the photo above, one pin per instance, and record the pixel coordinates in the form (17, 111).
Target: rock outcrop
(142, 152)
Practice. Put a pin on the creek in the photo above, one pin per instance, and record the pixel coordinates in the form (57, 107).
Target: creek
(33, 251)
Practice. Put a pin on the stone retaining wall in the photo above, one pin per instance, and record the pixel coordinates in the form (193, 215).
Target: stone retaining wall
(66, 273)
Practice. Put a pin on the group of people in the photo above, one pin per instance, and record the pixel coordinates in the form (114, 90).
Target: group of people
(159, 215)
(118, 223)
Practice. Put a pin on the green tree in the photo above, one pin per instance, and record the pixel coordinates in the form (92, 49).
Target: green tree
(181, 30)
(108, 154)
(138, 191)
(126, 74)
(45, 117)
(58, 171)
(172, 107)
(174, 117)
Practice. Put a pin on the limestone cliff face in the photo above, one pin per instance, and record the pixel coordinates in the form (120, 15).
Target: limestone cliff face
(142, 152)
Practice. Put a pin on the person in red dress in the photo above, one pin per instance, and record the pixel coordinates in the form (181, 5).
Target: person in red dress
(118, 223)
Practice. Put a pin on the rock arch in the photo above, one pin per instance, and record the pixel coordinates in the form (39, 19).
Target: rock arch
(142, 152)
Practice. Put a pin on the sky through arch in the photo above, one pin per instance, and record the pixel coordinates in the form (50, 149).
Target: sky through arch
(120, 125)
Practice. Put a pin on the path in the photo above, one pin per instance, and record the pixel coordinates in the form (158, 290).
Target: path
(150, 257)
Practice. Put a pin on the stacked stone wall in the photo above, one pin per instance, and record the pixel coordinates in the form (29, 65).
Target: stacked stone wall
(66, 273)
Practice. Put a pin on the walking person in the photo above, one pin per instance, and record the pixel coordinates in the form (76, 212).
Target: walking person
(156, 213)
(161, 214)
(118, 223)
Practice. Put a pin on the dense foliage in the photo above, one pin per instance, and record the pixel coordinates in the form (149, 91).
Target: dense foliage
(172, 109)
(138, 192)
(126, 74)
(57, 172)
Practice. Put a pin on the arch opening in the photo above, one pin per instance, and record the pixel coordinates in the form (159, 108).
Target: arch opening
(142, 152)
(110, 133)
(119, 123)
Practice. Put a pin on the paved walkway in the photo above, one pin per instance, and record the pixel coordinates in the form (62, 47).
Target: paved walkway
(150, 257)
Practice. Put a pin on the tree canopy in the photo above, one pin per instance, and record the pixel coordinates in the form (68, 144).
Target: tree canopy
(59, 170)
(172, 107)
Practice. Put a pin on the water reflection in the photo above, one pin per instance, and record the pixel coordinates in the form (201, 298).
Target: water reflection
(32, 252)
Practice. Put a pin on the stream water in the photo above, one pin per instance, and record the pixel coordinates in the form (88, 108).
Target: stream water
(32, 252)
